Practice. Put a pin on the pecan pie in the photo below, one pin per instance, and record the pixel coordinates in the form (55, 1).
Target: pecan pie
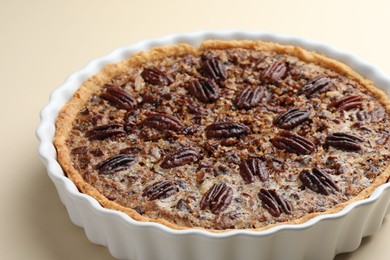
(230, 135)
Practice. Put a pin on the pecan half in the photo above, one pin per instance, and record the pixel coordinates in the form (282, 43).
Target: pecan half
(347, 103)
(116, 163)
(180, 157)
(344, 141)
(213, 68)
(119, 98)
(316, 86)
(275, 204)
(155, 76)
(105, 131)
(204, 89)
(318, 181)
(250, 97)
(291, 118)
(274, 72)
(293, 143)
(217, 198)
(161, 122)
(226, 129)
(160, 190)
(251, 167)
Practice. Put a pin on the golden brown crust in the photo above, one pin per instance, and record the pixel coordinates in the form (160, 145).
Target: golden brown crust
(70, 110)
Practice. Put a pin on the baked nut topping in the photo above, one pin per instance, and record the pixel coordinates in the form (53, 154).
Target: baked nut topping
(275, 204)
(293, 143)
(319, 181)
(179, 158)
(115, 163)
(205, 90)
(316, 86)
(291, 118)
(226, 129)
(105, 131)
(249, 97)
(160, 190)
(252, 167)
(233, 135)
(344, 141)
(119, 98)
(218, 198)
(213, 68)
(155, 76)
(162, 121)
(274, 72)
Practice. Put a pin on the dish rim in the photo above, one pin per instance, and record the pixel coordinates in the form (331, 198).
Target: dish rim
(46, 129)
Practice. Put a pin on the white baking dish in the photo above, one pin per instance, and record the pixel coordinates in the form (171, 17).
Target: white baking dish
(319, 238)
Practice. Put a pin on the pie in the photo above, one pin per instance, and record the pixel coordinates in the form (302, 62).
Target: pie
(229, 135)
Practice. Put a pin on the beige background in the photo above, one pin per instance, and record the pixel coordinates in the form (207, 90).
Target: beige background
(42, 42)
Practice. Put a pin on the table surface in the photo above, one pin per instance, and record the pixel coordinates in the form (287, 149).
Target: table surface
(42, 42)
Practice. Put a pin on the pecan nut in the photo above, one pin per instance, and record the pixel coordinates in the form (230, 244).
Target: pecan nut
(180, 157)
(250, 97)
(217, 198)
(213, 68)
(275, 204)
(204, 89)
(155, 76)
(115, 164)
(316, 86)
(105, 131)
(162, 122)
(160, 190)
(344, 141)
(226, 129)
(318, 181)
(293, 143)
(291, 118)
(274, 72)
(119, 98)
(251, 167)
(347, 103)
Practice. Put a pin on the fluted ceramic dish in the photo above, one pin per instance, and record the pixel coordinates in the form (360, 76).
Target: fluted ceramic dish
(321, 237)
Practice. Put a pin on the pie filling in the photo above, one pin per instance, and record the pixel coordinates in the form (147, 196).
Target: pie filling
(232, 138)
